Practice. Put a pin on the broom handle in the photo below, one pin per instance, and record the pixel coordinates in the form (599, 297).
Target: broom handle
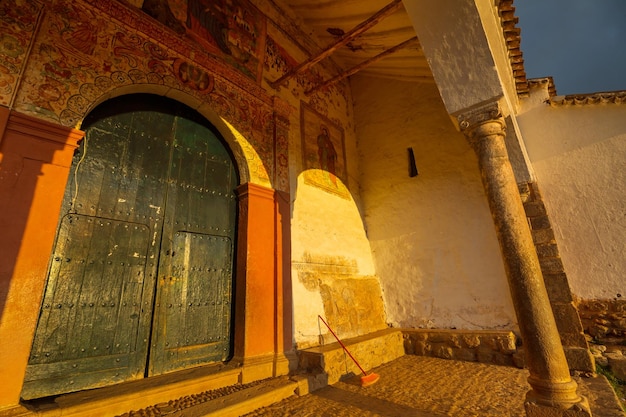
(342, 345)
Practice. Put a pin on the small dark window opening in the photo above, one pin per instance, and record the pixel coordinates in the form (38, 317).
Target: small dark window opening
(412, 167)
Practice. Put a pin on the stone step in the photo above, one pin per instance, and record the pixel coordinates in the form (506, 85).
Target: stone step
(192, 393)
(234, 404)
(232, 401)
(327, 364)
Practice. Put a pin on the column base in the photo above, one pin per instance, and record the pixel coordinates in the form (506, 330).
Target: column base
(544, 408)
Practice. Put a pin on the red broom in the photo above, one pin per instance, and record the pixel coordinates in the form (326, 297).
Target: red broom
(366, 379)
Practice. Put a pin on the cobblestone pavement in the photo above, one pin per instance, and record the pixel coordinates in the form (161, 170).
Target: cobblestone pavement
(416, 386)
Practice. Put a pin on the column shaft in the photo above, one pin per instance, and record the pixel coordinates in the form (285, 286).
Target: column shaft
(549, 373)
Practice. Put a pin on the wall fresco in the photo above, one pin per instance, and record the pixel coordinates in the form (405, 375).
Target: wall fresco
(277, 61)
(18, 22)
(328, 101)
(83, 53)
(281, 135)
(323, 152)
(232, 30)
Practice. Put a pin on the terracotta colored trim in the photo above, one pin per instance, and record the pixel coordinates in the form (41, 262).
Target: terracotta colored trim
(263, 306)
(284, 302)
(4, 118)
(43, 130)
(255, 287)
(248, 189)
(36, 159)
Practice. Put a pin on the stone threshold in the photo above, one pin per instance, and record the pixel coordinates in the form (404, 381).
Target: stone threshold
(120, 398)
(248, 399)
(239, 399)
(246, 385)
(232, 401)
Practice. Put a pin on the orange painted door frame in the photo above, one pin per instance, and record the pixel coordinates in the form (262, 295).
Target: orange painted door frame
(262, 286)
(35, 159)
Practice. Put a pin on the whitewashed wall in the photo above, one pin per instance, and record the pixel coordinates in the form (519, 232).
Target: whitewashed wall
(329, 243)
(433, 239)
(578, 153)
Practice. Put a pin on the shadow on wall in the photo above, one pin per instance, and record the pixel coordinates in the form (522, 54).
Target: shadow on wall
(31, 168)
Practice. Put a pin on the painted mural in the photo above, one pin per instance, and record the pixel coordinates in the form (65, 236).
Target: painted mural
(18, 22)
(278, 62)
(323, 152)
(85, 51)
(233, 30)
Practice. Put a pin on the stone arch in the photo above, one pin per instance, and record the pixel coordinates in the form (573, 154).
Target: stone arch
(233, 138)
(250, 138)
(254, 123)
(144, 176)
(259, 207)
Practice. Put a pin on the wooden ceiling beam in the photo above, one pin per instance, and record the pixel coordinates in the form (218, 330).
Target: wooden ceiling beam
(362, 65)
(343, 40)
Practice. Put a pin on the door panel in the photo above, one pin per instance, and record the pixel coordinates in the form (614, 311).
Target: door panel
(193, 304)
(150, 198)
(89, 318)
(193, 301)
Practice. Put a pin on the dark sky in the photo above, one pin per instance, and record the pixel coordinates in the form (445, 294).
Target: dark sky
(581, 43)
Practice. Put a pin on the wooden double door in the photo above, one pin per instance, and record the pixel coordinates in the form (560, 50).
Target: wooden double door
(140, 278)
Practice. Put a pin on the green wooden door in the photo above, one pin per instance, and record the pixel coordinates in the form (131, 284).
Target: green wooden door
(141, 274)
(193, 301)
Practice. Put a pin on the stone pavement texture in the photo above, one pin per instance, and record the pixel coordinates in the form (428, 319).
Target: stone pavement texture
(429, 387)
(410, 386)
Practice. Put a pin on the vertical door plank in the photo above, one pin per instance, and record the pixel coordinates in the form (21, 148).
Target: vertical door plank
(199, 231)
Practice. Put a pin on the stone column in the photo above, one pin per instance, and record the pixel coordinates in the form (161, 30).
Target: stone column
(553, 391)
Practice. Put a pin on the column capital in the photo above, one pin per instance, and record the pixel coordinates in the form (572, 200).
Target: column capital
(482, 121)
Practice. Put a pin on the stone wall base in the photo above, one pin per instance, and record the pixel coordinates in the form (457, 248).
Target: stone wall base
(333, 363)
(486, 346)
(603, 318)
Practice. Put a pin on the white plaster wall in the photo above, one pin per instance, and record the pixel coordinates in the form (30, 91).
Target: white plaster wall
(579, 157)
(433, 239)
(327, 230)
(492, 26)
(453, 38)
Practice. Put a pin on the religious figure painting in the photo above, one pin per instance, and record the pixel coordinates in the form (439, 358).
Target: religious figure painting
(233, 30)
(323, 152)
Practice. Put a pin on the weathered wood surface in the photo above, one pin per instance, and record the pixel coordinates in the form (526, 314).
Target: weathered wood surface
(142, 265)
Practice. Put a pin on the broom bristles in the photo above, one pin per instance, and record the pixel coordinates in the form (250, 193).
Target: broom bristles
(369, 379)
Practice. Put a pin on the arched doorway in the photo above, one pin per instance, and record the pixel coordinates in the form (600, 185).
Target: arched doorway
(140, 279)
